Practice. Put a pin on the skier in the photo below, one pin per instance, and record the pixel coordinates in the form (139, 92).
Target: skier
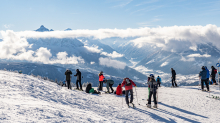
(78, 79)
(158, 80)
(119, 90)
(109, 83)
(173, 77)
(153, 91)
(214, 71)
(67, 73)
(101, 79)
(128, 89)
(203, 75)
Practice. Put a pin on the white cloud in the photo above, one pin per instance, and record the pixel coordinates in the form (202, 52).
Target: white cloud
(92, 62)
(111, 63)
(16, 48)
(198, 55)
(189, 59)
(94, 49)
(114, 54)
(174, 38)
(164, 64)
(7, 26)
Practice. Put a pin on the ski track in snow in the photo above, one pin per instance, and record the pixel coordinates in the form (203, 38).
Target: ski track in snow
(24, 98)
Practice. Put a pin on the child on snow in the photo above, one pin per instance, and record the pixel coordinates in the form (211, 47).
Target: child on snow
(128, 89)
(153, 91)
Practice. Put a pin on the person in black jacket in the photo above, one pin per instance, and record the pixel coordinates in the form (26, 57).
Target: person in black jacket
(213, 75)
(68, 78)
(78, 79)
(173, 77)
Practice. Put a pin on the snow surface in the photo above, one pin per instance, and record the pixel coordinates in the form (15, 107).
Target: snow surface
(25, 98)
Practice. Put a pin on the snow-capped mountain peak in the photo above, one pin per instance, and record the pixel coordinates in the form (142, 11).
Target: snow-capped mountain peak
(42, 29)
(68, 29)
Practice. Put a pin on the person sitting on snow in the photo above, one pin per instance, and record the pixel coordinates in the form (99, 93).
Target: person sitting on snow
(89, 89)
(128, 89)
(153, 91)
(119, 90)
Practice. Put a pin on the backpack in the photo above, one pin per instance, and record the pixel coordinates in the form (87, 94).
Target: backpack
(215, 71)
(158, 80)
(127, 82)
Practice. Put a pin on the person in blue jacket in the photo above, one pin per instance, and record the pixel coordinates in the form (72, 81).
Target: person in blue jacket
(207, 75)
(158, 80)
(203, 75)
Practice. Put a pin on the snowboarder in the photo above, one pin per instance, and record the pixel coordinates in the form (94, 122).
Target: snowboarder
(153, 91)
(214, 71)
(203, 75)
(158, 80)
(119, 90)
(101, 79)
(68, 73)
(109, 83)
(78, 79)
(173, 77)
(128, 89)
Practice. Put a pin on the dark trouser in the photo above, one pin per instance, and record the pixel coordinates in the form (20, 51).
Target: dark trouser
(213, 79)
(126, 96)
(154, 96)
(110, 85)
(206, 83)
(100, 85)
(77, 86)
(68, 84)
(159, 84)
(174, 81)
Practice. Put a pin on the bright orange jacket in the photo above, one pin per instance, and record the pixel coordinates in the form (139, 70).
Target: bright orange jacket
(101, 77)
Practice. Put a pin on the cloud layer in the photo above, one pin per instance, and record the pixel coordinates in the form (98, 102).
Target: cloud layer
(14, 47)
(112, 63)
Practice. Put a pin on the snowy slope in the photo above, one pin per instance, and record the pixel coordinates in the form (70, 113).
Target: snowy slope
(28, 99)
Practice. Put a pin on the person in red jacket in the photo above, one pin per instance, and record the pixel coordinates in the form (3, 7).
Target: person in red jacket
(128, 89)
(119, 90)
(101, 79)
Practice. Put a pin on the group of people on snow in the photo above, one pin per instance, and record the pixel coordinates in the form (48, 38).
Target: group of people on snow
(204, 76)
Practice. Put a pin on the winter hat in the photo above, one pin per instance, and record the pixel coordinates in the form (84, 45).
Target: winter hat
(203, 67)
(151, 75)
(77, 69)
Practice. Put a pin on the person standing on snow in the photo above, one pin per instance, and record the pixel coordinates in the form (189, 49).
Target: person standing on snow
(153, 91)
(101, 79)
(158, 80)
(203, 75)
(214, 71)
(68, 78)
(128, 89)
(78, 79)
(173, 77)
(207, 70)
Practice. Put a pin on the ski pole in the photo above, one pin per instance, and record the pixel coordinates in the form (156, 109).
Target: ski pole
(136, 96)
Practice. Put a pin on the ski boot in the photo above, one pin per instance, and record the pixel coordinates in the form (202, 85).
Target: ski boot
(132, 105)
(128, 106)
(149, 105)
(155, 106)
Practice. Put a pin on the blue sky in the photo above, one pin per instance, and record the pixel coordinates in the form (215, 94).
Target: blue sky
(20, 15)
